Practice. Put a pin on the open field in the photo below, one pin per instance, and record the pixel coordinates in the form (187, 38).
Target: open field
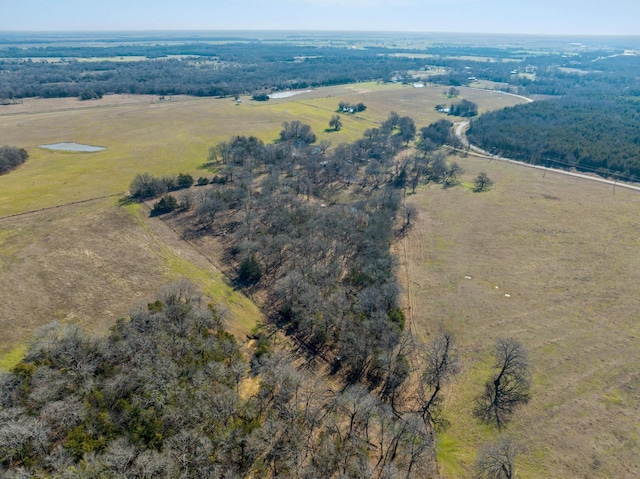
(90, 264)
(174, 136)
(566, 251)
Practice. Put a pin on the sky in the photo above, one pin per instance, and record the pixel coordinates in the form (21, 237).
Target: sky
(555, 17)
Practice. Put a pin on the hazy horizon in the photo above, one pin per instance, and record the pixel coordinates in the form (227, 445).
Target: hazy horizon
(544, 17)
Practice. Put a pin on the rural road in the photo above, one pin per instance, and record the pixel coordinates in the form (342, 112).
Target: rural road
(483, 153)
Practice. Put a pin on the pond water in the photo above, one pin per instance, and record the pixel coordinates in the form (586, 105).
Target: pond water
(73, 147)
(287, 94)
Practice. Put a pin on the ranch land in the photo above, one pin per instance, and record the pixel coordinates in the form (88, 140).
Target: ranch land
(551, 260)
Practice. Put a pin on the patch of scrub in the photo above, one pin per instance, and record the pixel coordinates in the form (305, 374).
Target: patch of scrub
(287, 94)
(73, 147)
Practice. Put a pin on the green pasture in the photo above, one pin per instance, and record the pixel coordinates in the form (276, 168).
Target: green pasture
(174, 136)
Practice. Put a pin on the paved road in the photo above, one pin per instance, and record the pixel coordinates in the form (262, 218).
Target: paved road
(485, 154)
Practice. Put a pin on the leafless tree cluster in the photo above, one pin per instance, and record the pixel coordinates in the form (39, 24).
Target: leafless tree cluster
(325, 262)
(162, 396)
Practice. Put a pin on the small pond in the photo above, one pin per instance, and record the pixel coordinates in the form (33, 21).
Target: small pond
(287, 94)
(73, 147)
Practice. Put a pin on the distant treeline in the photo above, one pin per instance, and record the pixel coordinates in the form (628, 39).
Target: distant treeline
(212, 70)
(251, 66)
(11, 157)
(597, 135)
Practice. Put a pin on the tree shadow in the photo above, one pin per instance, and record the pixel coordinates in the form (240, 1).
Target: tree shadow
(127, 200)
(209, 165)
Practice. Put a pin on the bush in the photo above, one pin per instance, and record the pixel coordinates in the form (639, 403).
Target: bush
(185, 181)
(11, 157)
(218, 180)
(260, 97)
(146, 186)
(167, 204)
(171, 182)
(250, 270)
(90, 95)
(203, 181)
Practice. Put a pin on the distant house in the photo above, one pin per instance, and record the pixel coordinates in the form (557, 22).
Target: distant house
(472, 79)
(418, 85)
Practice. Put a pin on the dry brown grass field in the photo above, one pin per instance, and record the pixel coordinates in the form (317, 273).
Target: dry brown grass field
(89, 264)
(566, 251)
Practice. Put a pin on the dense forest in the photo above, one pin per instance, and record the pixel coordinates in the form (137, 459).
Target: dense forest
(231, 66)
(595, 135)
(202, 70)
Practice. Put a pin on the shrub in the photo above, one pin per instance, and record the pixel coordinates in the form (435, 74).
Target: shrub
(185, 181)
(145, 186)
(11, 157)
(250, 270)
(167, 204)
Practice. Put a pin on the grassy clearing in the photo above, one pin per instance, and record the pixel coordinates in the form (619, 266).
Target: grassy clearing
(566, 251)
(13, 357)
(89, 264)
(184, 262)
(163, 137)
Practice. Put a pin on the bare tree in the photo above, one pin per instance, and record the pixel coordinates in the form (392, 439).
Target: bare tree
(482, 182)
(440, 365)
(324, 145)
(451, 174)
(509, 387)
(497, 460)
(209, 207)
(410, 214)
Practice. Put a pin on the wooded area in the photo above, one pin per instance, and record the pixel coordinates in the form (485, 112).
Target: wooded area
(593, 135)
